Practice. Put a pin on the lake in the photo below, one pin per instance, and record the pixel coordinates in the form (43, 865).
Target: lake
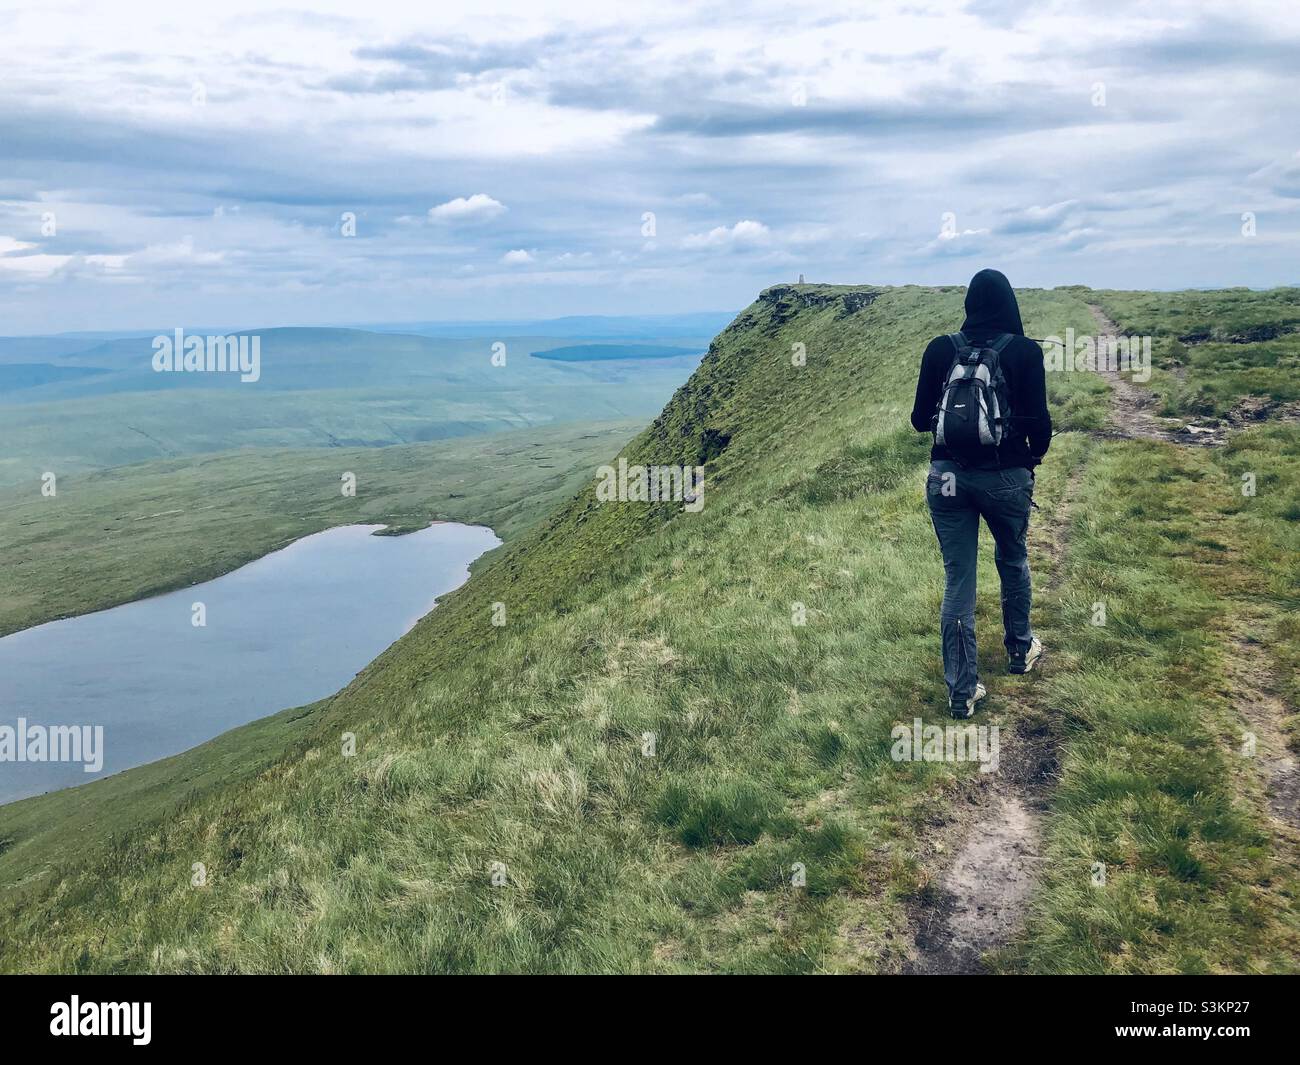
(285, 630)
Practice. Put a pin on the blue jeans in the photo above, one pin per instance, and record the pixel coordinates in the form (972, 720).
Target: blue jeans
(958, 498)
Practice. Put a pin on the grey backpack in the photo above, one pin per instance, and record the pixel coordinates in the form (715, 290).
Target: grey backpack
(974, 409)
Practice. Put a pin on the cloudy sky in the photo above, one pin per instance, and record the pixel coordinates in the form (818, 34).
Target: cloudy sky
(240, 164)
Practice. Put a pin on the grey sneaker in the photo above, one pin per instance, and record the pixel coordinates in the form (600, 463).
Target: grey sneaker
(1025, 662)
(967, 709)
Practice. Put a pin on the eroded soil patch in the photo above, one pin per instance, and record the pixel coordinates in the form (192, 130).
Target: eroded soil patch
(981, 901)
(977, 901)
(1133, 409)
(1250, 689)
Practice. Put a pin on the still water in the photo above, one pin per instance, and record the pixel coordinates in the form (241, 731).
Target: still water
(288, 629)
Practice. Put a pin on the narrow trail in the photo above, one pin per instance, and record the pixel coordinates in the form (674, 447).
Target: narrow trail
(977, 902)
(1248, 682)
(1250, 685)
(1132, 408)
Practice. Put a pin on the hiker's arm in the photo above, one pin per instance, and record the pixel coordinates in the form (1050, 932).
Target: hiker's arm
(929, 385)
(1037, 418)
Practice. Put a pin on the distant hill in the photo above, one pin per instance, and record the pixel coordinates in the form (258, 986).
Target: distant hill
(623, 327)
(41, 349)
(612, 352)
(310, 359)
(90, 403)
(19, 375)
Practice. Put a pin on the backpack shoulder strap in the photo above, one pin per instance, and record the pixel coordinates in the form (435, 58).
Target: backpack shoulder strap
(961, 348)
(998, 346)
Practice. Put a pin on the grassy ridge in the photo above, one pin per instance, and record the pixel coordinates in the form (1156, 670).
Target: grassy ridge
(643, 752)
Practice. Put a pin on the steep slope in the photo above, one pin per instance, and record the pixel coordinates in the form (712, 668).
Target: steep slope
(675, 753)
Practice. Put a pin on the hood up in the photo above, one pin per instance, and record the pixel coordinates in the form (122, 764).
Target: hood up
(991, 305)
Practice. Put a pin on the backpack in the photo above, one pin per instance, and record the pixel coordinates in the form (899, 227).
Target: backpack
(974, 410)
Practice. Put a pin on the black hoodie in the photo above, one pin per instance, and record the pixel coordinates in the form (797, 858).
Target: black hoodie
(991, 309)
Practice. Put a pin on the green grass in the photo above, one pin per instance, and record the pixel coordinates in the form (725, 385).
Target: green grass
(1152, 784)
(1212, 349)
(628, 775)
(61, 826)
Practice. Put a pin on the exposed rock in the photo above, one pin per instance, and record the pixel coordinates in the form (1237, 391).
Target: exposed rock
(1253, 335)
(850, 301)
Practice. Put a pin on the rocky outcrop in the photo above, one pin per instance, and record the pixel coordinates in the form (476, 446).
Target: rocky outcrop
(850, 301)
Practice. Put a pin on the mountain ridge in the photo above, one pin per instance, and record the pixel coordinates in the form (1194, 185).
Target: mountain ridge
(503, 814)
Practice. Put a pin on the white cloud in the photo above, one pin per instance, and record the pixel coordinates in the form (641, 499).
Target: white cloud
(477, 208)
(745, 233)
(806, 234)
(517, 257)
(1040, 219)
(38, 265)
(956, 243)
(181, 252)
(140, 263)
(35, 266)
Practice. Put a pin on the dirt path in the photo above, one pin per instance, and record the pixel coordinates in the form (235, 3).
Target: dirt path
(1250, 683)
(1248, 676)
(1133, 408)
(978, 900)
